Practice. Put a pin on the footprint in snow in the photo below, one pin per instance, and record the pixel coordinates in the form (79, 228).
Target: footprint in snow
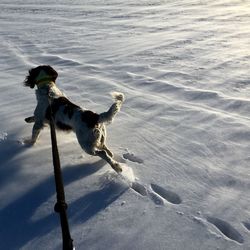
(132, 157)
(160, 194)
(157, 199)
(139, 188)
(143, 191)
(157, 193)
(228, 230)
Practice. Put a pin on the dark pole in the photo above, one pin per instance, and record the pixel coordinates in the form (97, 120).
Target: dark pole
(61, 205)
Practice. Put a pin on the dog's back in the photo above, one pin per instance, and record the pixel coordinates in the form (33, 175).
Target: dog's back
(65, 113)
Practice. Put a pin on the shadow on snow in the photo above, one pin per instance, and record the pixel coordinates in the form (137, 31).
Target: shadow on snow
(17, 227)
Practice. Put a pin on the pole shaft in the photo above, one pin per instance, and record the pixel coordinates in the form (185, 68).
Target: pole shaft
(61, 205)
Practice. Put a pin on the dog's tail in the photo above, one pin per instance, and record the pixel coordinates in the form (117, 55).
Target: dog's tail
(107, 117)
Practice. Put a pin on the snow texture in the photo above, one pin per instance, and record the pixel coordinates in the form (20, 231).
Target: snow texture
(182, 135)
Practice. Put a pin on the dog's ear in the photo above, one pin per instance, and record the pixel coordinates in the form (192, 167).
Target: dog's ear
(30, 78)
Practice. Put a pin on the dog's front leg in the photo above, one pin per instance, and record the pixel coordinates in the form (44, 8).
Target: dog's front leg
(38, 126)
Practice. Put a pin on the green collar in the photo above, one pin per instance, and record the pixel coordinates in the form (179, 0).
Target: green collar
(44, 83)
(43, 79)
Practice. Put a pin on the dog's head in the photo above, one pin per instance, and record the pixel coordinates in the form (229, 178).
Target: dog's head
(39, 74)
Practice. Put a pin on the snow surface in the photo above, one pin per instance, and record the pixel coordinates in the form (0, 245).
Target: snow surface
(183, 132)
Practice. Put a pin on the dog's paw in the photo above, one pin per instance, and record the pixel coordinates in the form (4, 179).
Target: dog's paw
(116, 166)
(30, 119)
(28, 142)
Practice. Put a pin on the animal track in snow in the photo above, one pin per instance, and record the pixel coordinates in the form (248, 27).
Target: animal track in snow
(157, 199)
(132, 157)
(157, 193)
(168, 195)
(139, 188)
(225, 228)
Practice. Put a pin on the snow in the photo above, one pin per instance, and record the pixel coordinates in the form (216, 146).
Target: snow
(182, 134)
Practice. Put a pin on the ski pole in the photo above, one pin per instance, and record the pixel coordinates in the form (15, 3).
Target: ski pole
(61, 205)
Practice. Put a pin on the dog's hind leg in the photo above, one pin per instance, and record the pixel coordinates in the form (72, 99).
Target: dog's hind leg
(104, 155)
(38, 126)
(102, 144)
(107, 150)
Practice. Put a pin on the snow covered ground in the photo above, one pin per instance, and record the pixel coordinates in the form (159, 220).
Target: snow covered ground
(184, 129)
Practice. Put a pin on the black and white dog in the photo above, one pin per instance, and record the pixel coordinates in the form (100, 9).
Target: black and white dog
(89, 126)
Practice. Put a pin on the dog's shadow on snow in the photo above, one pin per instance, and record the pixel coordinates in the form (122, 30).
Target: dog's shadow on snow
(93, 202)
(89, 205)
(17, 223)
(9, 167)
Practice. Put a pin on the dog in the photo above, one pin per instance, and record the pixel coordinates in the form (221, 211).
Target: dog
(89, 127)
